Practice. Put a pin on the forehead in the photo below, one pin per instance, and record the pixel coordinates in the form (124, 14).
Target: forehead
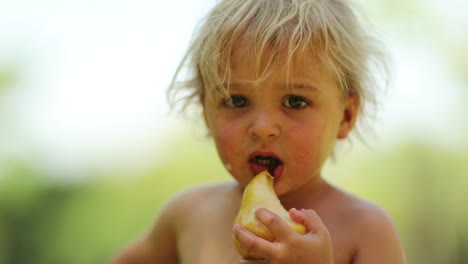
(249, 63)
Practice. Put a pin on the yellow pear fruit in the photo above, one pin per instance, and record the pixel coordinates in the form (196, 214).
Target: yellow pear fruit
(260, 193)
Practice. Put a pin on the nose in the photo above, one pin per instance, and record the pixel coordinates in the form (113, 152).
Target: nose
(264, 126)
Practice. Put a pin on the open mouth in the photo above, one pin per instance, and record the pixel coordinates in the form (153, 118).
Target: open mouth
(269, 163)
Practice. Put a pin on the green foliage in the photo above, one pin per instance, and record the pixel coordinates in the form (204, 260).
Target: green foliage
(42, 221)
(8, 76)
(20, 188)
(422, 187)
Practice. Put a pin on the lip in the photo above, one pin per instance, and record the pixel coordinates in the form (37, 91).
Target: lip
(263, 153)
(257, 168)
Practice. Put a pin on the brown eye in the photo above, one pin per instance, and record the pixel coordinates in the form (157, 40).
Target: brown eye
(236, 101)
(295, 102)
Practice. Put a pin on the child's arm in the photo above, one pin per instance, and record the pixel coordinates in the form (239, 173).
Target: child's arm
(158, 246)
(379, 240)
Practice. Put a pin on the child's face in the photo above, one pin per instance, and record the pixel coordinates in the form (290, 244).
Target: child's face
(298, 127)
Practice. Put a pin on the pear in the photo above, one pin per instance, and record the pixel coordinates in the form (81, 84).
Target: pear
(260, 193)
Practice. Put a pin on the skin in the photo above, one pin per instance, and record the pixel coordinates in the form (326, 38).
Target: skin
(300, 127)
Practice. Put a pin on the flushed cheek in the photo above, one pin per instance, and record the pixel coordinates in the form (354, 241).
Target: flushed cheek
(228, 142)
(308, 149)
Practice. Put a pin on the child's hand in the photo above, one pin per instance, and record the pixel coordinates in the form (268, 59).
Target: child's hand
(290, 247)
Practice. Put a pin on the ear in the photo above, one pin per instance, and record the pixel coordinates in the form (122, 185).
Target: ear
(350, 112)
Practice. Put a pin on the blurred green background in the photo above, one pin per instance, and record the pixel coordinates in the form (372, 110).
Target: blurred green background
(88, 152)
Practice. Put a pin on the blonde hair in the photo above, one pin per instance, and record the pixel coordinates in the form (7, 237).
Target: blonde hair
(328, 29)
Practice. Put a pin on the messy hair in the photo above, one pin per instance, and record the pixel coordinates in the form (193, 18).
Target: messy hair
(330, 30)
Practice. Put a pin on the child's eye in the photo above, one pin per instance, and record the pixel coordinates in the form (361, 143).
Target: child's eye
(236, 101)
(295, 102)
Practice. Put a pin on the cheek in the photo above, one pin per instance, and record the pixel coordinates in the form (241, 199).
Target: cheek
(313, 143)
(228, 140)
(306, 145)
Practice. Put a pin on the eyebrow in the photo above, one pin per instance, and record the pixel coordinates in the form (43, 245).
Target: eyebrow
(229, 86)
(304, 86)
(294, 86)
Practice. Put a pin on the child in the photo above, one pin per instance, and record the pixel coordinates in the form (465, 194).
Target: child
(279, 82)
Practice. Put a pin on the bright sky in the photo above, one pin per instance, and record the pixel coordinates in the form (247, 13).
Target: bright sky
(94, 74)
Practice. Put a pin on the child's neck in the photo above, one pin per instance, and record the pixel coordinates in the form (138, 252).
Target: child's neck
(307, 196)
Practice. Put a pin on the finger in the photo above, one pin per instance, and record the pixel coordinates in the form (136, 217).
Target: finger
(274, 223)
(310, 220)
(252, 243)
(254, 261)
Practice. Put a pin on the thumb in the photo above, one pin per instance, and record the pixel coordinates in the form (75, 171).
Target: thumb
(310, 220)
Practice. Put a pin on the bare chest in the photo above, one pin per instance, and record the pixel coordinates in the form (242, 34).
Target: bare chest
(210, 242)
(206, 235)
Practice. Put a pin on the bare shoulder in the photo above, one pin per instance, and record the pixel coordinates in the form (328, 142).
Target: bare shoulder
(200, 205)
(159, 244)
(193, 194)
(376, 235)
(201, 197)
